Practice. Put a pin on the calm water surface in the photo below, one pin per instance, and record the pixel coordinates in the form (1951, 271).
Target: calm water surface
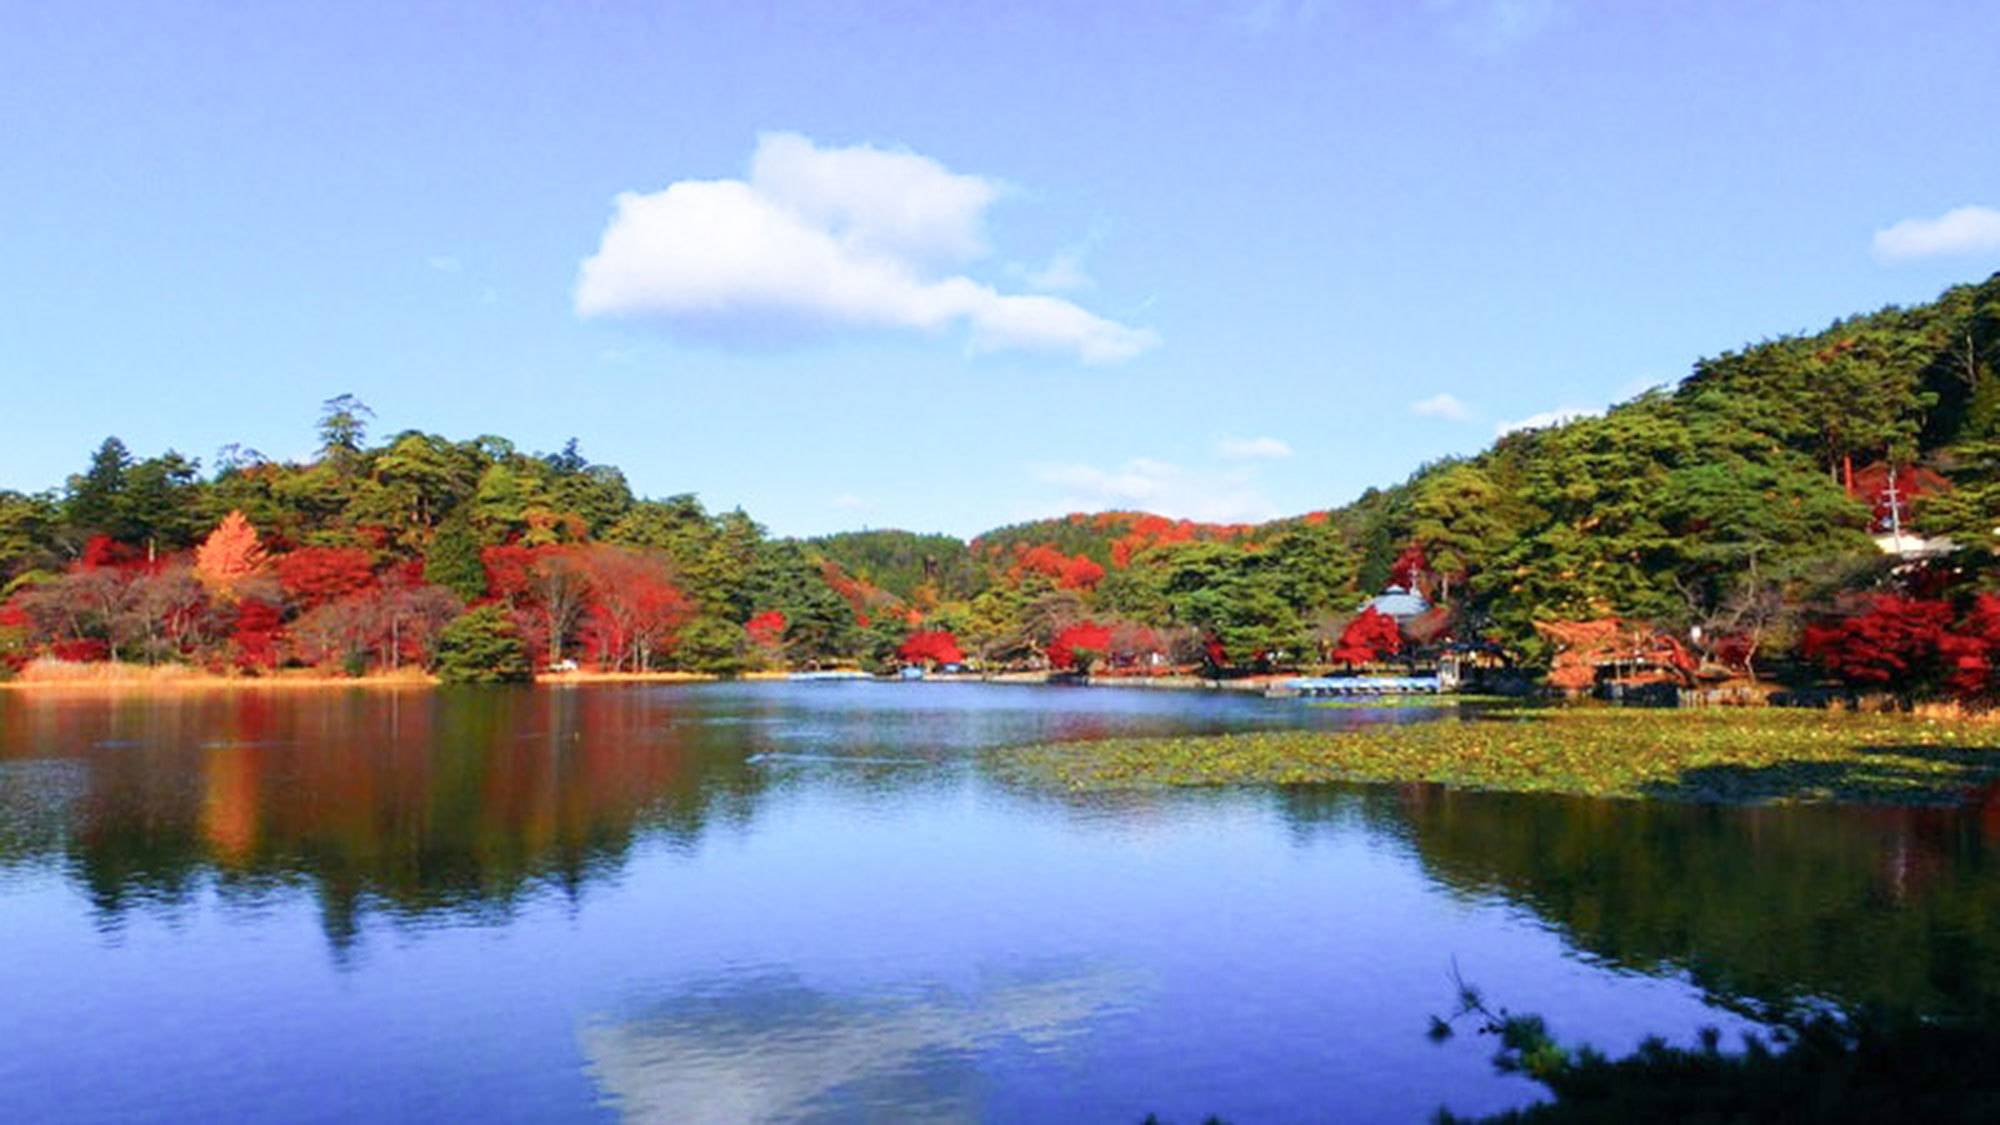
(820, 903)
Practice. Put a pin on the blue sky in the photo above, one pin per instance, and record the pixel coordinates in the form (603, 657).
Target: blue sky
(948, 267)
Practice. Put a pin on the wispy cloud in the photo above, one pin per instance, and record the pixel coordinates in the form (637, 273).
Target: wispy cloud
(1253, 449)
(444, 263)
(1063, 274)
(1494, 26)
(1962, 230)
(818, 241)
(1546, 418)
(1156, 486)
(1270, 17)
(1442, 405)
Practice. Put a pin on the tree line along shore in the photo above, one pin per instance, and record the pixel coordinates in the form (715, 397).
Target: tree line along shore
(1814, 512)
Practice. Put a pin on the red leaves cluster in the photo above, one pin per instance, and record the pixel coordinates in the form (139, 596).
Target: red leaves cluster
(254, 641)
(80, 649)
(1078, 572)
(1150, 531)
(1871, 484)
(506, 570)
(1084, 635)
(858, 594)
(766, 629)
(14, 626)
(1368, 638)
(936, 646)
(1912, 645)
(622, 604)
(314, 576)
(1410, 568)
(102, 552)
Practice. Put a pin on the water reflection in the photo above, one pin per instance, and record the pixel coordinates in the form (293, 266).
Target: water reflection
(435, 808)
(768, 1047)
(458, 803)
(1895, 907)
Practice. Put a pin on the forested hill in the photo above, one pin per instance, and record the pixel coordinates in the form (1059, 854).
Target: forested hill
(1738, 512)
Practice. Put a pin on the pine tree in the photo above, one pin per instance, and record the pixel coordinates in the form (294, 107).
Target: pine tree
(453, 561)
(481, 647)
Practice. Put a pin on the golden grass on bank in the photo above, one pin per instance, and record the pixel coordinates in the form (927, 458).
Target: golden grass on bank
(39, 675)
(93, 675)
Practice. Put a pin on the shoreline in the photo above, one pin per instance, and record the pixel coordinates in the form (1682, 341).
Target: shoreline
(40, 677)
(47, 676)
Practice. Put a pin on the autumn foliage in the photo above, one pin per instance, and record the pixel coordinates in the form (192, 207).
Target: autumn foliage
(1077, 572)
(1079, 644)
(1368, 638)
(1911, 645)
(230, 554)
(936, 646)
(1583, 646)
(313, 576)
(767, 628)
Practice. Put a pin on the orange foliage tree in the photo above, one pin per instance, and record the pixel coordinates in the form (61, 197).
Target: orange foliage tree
(230, 554)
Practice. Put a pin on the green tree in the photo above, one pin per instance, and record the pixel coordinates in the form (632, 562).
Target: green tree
(27, 533)
(453, 560)
(712, 644)
(91, 506)
(481, 646)
(343, 427)
(1234, 598)
(159, 506)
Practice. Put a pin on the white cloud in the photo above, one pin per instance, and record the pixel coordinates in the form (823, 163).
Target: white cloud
(1157, 487)
(1251, 449)
(1442, 405)
(1555, 417)
(444, 263)
(1962, 230)
(849, 502)
(823, 240)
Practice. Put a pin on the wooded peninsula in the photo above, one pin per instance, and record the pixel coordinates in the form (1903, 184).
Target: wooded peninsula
(1813, 511)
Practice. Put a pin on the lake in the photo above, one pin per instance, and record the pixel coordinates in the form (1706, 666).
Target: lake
(780, 902)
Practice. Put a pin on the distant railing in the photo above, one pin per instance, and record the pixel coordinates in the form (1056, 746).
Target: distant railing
(1358, 685)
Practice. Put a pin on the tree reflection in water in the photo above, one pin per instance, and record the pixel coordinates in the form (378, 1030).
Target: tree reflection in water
(1893, 907)
(412, 803)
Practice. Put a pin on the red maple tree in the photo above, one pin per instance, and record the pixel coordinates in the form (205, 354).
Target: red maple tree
(935, 646)
(1894, 643)
(1081, 643)
(1368, 638)
(313, 576)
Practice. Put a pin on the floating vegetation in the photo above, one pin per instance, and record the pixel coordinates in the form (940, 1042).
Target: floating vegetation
(1752, 756)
